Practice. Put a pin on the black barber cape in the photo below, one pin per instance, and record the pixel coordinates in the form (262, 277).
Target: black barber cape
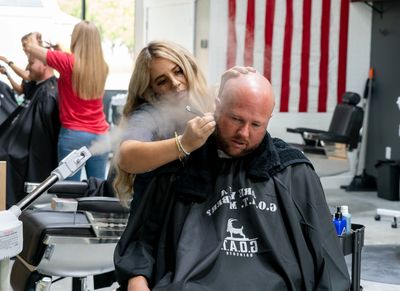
(260, 222)
(29, 141)
(7, 101)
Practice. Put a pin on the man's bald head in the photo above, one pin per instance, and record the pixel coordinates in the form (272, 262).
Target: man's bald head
(251, 85)
(244, 109)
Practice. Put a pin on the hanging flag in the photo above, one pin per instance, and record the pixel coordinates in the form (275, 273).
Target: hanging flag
(299, 45)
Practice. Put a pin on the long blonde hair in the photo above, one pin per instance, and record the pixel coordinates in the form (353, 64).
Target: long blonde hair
(90, 69)
(140, 92)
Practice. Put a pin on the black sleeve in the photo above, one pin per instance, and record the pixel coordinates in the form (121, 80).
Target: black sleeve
(136, 251)
(49, 115)
(330, 268)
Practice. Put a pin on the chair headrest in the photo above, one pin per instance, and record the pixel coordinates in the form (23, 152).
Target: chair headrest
(351, 98)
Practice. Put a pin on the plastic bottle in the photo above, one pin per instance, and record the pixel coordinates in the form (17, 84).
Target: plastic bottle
(346, 216)
(339, 222)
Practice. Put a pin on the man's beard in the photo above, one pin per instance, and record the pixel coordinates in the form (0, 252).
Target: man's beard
(224, 145)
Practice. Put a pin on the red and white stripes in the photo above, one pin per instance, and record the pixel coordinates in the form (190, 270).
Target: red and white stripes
(299, 45)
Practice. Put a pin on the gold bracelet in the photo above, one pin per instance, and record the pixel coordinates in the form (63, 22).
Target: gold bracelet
(177, 146)
(182, 148)
(10, 63)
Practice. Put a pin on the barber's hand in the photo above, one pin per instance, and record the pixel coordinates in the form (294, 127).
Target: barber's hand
(232, 73)
(235, 71)
(57, 47)
(197, 132)
(138, 283)
(35, 38)
(38, 36)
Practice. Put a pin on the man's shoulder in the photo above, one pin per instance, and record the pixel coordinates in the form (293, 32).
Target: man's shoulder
(44, 91)
(288, 154)
(51, 85)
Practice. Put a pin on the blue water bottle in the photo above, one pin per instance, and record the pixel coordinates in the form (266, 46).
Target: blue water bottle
(339, 222)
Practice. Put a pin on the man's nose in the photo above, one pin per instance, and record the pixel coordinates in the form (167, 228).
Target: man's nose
(244, 130)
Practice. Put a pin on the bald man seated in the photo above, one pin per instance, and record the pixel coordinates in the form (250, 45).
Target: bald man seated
(244, 212)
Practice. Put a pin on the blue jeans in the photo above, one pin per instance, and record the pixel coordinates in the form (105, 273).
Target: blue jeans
(70, 140)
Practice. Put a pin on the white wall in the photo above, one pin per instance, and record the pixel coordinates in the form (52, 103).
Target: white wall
(164, 20)
(202, 23)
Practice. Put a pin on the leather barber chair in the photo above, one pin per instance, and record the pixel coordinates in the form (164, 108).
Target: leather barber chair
(328, 150)
(75, 237)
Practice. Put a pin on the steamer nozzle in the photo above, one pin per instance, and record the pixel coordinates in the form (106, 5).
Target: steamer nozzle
(72, 163)
(66, 168)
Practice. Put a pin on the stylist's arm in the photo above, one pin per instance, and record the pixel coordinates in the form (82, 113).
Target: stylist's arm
(138, 283)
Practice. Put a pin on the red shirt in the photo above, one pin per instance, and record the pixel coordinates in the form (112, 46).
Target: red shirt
(75, 113)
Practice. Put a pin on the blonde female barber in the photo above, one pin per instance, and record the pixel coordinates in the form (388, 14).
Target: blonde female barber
(158, 129)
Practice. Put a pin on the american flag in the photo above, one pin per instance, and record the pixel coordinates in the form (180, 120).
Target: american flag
(299, 45)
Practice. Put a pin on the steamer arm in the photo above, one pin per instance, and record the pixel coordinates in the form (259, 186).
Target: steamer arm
(10, 227)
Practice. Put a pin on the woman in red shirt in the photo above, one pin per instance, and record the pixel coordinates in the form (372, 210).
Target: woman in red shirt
(83, 74)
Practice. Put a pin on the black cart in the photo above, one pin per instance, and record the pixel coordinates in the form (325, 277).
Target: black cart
(352, 245)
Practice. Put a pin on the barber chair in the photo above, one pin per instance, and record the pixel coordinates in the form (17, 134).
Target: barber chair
(328, 150)
(72, 236)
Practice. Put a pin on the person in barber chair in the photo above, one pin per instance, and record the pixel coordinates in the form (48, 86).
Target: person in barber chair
(28, 137)
(245, 212)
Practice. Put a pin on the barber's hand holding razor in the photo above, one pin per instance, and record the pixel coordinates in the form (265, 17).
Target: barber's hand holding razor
(197, 132)
(138, 283)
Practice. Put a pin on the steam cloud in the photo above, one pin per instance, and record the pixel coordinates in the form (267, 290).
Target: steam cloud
(162, 119)
(108, 142)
